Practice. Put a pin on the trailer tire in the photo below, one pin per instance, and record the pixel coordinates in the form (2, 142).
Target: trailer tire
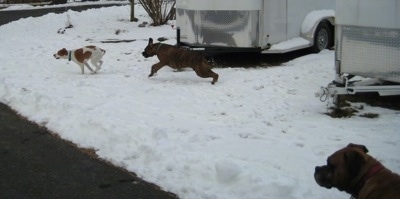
(322, 38)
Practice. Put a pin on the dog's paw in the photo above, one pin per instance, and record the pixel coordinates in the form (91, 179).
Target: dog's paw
(152, 74)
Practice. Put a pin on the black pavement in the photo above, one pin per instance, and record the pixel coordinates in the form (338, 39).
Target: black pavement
(36, 164)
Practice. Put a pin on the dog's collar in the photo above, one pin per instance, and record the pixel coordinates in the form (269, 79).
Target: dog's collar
(371, 172)
(158, 47)
(69, 55)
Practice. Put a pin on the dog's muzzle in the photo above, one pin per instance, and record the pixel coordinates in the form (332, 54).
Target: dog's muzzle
(145, 55)
(323, 176)
(56, 56)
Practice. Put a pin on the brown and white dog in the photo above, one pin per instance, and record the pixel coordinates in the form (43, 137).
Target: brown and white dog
(82, 55)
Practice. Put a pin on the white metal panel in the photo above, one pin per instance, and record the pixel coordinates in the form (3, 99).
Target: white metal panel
(370, 52)
(274, 21)
(368, 13)
(228, 28)
(219, 4)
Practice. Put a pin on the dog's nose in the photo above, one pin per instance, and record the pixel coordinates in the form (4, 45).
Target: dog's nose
(317, 168)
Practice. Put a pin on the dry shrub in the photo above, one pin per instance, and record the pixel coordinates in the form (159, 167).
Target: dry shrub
(160, 11)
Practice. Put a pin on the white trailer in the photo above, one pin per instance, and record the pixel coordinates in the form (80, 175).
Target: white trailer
(367, 48)
(267, 26)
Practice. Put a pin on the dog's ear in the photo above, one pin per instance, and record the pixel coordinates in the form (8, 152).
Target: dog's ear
(150, 41)
(364, 148)
(63, 51)
(354, 162)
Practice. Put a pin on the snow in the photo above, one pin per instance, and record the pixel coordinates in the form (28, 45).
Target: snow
(290, 44)
(257, 133)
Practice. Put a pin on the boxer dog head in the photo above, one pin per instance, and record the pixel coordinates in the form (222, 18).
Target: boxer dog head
(150, 50)
(344, 168)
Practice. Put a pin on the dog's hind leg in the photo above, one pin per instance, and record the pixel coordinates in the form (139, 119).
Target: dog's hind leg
(206, 73)
(90, 68)
(97, 65)
(215, 76)
(155, 68)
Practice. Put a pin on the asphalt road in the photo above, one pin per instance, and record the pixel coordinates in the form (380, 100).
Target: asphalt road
(35, 163)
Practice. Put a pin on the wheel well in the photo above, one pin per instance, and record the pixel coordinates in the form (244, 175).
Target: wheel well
(322, 24)
(331, 25)
(309, 34)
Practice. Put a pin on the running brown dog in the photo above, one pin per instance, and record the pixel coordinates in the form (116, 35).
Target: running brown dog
(178, 58)
(352, 170)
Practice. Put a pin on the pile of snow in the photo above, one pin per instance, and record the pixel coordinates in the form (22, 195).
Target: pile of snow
(257, 133)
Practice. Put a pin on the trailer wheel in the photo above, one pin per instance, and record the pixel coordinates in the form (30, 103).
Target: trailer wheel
(322, 38)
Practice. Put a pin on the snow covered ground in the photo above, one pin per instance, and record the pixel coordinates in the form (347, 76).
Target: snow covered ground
(257, 133)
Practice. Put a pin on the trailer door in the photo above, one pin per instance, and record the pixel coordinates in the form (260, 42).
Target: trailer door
(274, 21)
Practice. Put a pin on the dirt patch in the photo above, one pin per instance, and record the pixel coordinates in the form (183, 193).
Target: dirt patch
(347, 108)
(342, 112)
(373, 99)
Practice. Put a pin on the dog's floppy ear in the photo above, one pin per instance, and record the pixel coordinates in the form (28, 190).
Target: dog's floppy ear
(150, 41)
(364, 148)
(354, 162)
(62, 52)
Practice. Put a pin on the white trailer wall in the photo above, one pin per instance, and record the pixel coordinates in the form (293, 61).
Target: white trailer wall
(368, 35)
(224, 23)
(283, 19)
(368, 13)
(245, 23)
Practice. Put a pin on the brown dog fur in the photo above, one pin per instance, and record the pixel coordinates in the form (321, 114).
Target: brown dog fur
(178, 58)
(352, 170)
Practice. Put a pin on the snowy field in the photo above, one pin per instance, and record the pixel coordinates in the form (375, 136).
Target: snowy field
(257, 133)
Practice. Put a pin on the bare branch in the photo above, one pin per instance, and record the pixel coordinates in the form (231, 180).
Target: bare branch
(160, 11)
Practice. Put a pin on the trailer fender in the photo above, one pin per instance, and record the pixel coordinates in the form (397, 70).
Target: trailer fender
(312, 20)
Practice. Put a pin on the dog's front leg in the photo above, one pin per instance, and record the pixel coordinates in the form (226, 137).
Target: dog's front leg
(155, 68)
(82, 68)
